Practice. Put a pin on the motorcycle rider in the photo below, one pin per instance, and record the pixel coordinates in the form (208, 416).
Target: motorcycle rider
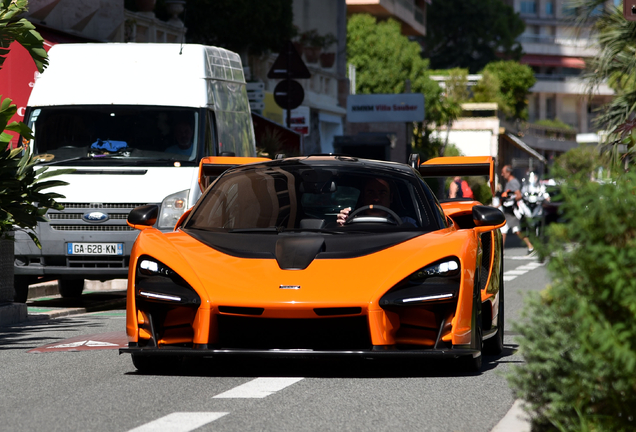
(510, 196)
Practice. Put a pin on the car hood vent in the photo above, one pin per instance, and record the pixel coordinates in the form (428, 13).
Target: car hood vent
(296, 253)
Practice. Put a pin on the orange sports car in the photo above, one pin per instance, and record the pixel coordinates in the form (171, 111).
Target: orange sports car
(319, 256)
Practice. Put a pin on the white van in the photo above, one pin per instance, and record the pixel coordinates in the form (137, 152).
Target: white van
(134, 120)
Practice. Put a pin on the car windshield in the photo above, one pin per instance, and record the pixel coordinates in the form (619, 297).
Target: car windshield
(299, 197)
(98, 134)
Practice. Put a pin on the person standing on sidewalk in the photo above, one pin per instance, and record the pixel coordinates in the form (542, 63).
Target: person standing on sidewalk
(511, 195)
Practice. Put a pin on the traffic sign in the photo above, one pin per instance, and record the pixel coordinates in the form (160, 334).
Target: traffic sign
(257, 106)
(289, 65)
(289, 94)
(255, 91)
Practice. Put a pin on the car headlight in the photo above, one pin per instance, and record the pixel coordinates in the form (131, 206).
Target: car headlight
(156, 282)
(436, 282)
(172, 207)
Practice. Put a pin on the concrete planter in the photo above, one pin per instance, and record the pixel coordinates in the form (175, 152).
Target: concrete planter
(327, 59)
(10, 312)
(312, 54)
(6, 268)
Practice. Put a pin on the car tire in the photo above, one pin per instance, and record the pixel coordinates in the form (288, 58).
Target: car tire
(70, 288)
(21, 289)
(149, 364)
(495, 345)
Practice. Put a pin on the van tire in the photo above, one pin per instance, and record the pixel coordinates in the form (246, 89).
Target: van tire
(21, 289)
(70, 288)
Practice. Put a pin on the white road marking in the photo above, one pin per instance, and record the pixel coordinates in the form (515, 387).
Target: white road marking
(530, 266)
(515, 272)
(258, 388)
(179, 422)
(512, 274)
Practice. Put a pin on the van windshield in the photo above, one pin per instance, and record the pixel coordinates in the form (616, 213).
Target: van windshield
(95, 134)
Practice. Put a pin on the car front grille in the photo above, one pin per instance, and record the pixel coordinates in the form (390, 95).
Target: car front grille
(325, 334)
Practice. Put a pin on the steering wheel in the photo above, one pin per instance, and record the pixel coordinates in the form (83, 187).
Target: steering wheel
(357, 211)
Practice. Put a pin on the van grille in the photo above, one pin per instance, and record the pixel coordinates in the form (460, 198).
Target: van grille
(71, 218)
(97, 262)
(102, 205)
(76, 216)
(91, 228)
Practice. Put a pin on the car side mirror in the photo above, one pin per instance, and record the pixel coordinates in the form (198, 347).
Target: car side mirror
(143, 217)
(486, 216)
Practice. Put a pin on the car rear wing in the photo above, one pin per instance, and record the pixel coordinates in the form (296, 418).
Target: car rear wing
(457, 166)
(213, 166)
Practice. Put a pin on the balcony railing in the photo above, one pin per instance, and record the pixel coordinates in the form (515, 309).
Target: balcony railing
(407, 4)
(557, 77)
(553, 134)
(552, 40)
(419, 16)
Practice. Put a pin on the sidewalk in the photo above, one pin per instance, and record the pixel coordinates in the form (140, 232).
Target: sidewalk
(44, 301)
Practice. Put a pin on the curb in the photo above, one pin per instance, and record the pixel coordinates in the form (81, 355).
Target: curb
(515, 420)
(16, 313)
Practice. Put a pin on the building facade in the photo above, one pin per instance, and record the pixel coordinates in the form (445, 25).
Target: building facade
(556, 50)
(321, 43)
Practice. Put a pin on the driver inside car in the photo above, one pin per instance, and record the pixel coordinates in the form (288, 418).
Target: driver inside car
(376, 192)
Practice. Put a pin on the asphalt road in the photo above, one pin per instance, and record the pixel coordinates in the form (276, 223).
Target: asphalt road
(100, 390)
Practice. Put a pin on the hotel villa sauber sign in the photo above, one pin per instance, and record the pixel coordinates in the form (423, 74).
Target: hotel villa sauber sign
(401, 107)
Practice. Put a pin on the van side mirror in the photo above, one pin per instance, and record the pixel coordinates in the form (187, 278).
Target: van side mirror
(143, 217)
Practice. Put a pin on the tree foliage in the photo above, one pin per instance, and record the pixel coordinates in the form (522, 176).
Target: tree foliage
(487, 88)
(13, 27)
(515, 81)
(471, 33)
(614, 64)
(248, 26)
(384, 58)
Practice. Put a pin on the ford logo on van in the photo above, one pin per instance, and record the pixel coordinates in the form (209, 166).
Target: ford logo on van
(95, 216)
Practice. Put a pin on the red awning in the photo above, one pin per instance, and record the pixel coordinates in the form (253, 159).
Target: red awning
(18, 72)
(553, 61)
(286, 140)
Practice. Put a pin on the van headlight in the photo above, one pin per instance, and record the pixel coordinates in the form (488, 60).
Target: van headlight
(172, 207)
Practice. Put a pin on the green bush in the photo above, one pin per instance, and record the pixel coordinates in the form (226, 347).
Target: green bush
(22, 202)
(579, 335)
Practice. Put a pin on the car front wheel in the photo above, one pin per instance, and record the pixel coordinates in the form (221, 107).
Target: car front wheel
(149, 364)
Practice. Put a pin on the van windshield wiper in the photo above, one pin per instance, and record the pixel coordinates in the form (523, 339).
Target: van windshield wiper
(257, 230)
(57, 162)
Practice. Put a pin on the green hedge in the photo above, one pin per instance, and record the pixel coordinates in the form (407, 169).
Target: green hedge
(579, 335)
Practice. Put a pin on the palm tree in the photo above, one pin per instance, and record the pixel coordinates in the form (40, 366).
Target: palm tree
(614, 64)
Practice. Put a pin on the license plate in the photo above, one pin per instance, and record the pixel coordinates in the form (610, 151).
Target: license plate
(95, 248)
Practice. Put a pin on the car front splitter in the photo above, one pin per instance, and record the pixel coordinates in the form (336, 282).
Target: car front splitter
(301, 353)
